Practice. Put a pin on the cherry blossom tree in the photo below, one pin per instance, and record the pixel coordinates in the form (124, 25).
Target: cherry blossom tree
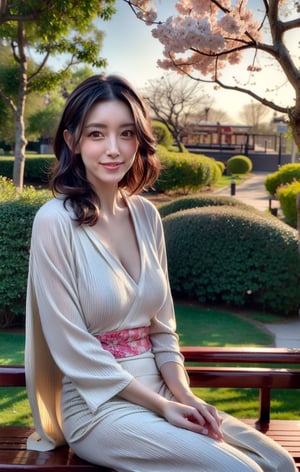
(208, 37)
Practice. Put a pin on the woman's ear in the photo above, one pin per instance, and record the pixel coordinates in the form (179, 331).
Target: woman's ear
(68, 137)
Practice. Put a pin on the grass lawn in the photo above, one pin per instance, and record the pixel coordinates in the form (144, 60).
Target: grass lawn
(195, 326)
(210, 327)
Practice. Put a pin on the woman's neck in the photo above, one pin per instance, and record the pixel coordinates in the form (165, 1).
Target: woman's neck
(111, 202)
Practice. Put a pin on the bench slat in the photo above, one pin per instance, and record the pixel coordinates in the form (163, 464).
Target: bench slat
(15, 457)
(286, 433)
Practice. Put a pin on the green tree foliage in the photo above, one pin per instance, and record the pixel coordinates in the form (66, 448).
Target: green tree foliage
(48, 29)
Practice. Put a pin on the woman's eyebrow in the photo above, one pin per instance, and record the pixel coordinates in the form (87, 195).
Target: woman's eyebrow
(95, 125)
(103, 125)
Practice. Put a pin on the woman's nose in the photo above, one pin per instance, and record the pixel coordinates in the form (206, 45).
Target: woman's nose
(112, 147)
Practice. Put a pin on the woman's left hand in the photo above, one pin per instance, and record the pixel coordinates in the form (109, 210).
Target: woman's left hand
(213, 421)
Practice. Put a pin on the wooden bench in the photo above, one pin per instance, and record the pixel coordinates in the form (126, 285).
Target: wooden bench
(277, 375)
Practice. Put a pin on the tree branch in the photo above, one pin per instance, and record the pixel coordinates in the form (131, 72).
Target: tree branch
(8, 100)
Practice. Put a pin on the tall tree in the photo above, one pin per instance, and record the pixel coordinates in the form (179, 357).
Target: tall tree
(48, 30)
(255, 114)
(209, 35)
(173, 100)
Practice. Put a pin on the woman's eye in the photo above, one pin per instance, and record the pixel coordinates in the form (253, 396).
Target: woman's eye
(128, 133)
(96, 134)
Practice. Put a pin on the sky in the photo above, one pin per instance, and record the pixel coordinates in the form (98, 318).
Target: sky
(132, 52)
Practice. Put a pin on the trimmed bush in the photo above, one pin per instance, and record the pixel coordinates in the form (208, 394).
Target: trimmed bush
(285, 175)
(287, 196)
(239, 164)
(16, 217)
(226, 255)
(36, 167)
(185, 203)
(162, 134)
(186, 172)
(221, 166)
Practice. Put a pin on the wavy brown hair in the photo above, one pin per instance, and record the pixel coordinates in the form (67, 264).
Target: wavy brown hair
(69, 176)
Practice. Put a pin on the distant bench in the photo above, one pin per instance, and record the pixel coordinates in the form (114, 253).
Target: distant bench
(15, 457)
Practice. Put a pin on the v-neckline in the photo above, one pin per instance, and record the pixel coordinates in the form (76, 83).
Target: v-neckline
(114, 258)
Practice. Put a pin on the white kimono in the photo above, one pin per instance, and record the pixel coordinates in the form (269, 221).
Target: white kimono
(77, 289)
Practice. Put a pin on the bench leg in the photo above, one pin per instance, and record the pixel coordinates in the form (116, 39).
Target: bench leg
(262, 424)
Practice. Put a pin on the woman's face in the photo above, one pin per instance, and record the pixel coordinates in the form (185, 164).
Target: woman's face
(109, 143)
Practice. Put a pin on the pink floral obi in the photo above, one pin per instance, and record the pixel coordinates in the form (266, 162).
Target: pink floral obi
(126, 343)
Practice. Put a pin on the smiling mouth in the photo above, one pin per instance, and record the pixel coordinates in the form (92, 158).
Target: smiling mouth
(111, 165)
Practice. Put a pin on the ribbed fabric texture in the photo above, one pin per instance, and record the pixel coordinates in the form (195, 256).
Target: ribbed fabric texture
(76, 290)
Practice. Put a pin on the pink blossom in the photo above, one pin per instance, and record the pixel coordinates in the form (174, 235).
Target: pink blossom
(230, 24)
(201, 30)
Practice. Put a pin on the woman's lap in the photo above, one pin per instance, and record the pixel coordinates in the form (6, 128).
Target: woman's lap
(132, 439)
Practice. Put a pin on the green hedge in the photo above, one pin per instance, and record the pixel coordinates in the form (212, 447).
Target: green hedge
(186, 172)
(16, 217)
(226, 255)
(285, 175)
(204, 200)
(36, 167)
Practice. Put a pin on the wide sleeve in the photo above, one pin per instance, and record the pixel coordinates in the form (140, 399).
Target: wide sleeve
(163, 334)
(56, 326)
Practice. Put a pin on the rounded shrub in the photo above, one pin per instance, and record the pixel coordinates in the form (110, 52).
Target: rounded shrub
(226, 255)
(16, 218)
(239, 164)
(285, 175)
(221, 166)
(162, 134)
(184, 203)
(287, 196)
(185, 172)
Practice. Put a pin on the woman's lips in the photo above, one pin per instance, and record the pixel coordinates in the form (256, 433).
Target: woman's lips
(111, 165)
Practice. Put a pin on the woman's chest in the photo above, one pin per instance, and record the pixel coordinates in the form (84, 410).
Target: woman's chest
(109, 296)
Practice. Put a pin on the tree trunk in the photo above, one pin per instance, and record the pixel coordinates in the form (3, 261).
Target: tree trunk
(20, 140)
(20, 147)
(294, 116)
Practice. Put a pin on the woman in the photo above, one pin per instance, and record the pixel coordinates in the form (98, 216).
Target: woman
(104, 370)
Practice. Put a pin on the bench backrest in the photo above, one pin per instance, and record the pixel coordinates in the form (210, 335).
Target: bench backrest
(269, 375)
